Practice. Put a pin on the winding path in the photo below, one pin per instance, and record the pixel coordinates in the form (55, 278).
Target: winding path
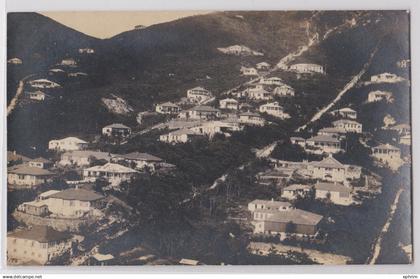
(19, 92)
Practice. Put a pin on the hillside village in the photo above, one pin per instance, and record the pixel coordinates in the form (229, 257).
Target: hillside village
(212, 168)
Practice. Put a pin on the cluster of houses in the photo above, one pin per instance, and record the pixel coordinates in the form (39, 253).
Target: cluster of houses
(239, 50)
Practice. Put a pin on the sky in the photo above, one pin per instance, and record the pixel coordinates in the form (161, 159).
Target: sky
(107, 24)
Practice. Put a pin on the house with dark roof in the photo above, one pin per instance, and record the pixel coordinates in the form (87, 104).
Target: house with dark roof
(116, 130)
(71, 203)
(335, 192)
(81, 158)
(27, 176)
(39, 244)
(40, 162)
(323, 144)
(138, 160)
(294, 191)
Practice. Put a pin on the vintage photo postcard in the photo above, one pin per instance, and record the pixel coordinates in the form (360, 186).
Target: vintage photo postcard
(209, 138)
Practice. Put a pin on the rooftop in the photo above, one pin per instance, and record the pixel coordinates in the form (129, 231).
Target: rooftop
(323, 138)
(332, 187)
(25, 169)
(296, 216)
(112, 167)
(42, 234)
(77, 194)
(89, 153)
(272, 203)
(117, 125)
(386, 146)
(204, 108)
(40, 160)
(328, 162)
(73, 139)
(139, 156)
(294, 187)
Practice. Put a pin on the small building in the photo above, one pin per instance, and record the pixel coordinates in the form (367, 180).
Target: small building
(295, 191)
(139, 161)
(323, 144)
(68, 62)
(67, 144)
(15, 61)
(271, 81)
(386, 78)
(116, 130)
(335, 192)
(200, 112)
(329, 169)
(113, 173)
(249, 71)
(198, 94)
(229, 103)
(307, 68)
(36, 95)
(386, 153)
(345, 112)
(179, 136)
(26, 176)
(332, 132)
(189, 262)
(86, 50)
(168, 108)
(377, 96)
(284, 90)
(274, 109)
(101, 259)
(256, 205)
(211, 128)
(38, 244)
(263, 66)
(259, 94)
(81, 158)
(348, 126)
(298, 140)
(402, 129)
(294, 221)
(44, 83)
(405, 140)
(40, 162)
(251, 118)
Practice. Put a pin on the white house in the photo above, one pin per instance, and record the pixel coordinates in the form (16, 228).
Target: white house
(229, 103)
(239, 50)
(323, 144)
(376, 96)
(271, 81)
(294, 191)
(263, 66)
(274, 109)
(348, 126)
(298, 140)
(113, 173)
(329, 169)
(249, 71)
(25, 176)
(67, 144)
(402, 129)
(36, 95)
(345, 112)
(256, 205)
(168, 108)
(388, 154)
(40, 162)
(307, 68)
(212, 128)
(405, 139)
(198, 94)
(259, 94)
(284, 90)
(179, 136)
(331, 131)
(43, 83)
(386, 78)
(138, 160)
(200, 112)
(251, 118)
(116, 130)
(38, 244)
(335, 192)
(68, 62)
(82, 158)
(70, 203)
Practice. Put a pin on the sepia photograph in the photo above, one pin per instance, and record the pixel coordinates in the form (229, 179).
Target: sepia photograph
(216, 138)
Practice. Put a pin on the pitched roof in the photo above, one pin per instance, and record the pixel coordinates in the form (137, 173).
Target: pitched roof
(329, 162)
(13, 156)
(102, 257)
(48, 193)
(347, 110)
(294, 187)
(25, 169)
(169, 104)
(330, 130)
(112, 167)
(139, 156)
(183, 132)
(198, 88)
(77, 194)
(272, 203)
(40, 160)
(250, 114)
(204, 108)
(332, 187)
(117, 125)
(89, 153)
(77, 140)
(296, 216)
(42, 234)
(297, 138)
(347, 121)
